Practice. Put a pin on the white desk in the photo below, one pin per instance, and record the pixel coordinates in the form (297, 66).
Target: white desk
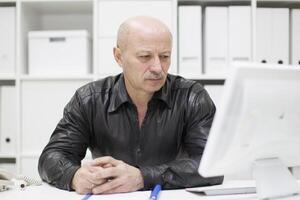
(47, 192)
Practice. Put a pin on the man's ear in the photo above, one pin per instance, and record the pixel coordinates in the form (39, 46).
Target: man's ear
(118, 56)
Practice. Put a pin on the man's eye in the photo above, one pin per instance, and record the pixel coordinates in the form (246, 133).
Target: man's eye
(165, 56)
(145, 56)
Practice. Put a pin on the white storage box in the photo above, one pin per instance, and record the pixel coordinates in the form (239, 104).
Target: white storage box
(59, 52)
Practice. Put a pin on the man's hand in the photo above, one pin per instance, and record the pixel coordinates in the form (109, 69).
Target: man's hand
(120, 177)
(84, 179)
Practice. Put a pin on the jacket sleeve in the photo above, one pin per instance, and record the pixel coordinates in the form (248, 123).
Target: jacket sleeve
(183, 171)
(62, 156)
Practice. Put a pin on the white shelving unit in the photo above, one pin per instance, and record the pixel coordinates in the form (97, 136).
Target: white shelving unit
(38, 100)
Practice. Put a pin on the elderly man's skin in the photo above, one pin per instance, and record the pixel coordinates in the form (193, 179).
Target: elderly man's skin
(144, 46)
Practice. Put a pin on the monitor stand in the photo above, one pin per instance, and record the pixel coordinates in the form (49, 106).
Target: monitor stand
(274, 180)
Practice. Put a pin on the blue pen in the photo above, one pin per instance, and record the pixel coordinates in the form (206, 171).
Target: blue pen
(87, 196)
(155, 192)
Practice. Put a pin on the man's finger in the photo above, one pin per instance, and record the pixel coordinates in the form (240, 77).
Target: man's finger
(105, 173)
(105, 161)
(90, 176)
(84, 187)
(93, 169)
(109, 185)
(107, 165)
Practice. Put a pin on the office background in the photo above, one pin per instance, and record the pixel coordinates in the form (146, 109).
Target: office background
(50, 48)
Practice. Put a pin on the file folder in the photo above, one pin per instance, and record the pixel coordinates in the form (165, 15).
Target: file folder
(190, 41)
(8, 115)
(7, 40)
(216, 40)
(280, 36)
(263, 33)
(295, 37)
(239, 33)
(272, 35)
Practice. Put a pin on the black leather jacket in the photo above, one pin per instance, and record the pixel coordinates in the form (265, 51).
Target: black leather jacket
(101, 116)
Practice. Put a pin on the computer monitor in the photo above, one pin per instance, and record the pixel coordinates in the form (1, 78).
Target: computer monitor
(257, 128)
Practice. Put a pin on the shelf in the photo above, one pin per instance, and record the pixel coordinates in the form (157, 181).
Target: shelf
(7, 3)
(278, 4)
(7, 81)
(217, 1)
(55, 77)
(55, 1)
(214, 2)
(279, 1)
(210, 82)
(205, 77)
(7, 156)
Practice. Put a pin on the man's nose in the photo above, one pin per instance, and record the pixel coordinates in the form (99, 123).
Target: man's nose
(156, 65)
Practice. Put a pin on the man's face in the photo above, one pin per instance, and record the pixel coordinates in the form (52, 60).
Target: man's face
(146, 60)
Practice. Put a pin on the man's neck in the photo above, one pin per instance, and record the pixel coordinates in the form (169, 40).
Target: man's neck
(139, 98)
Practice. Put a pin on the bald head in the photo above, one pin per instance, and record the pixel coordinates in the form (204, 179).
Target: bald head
(140, 25)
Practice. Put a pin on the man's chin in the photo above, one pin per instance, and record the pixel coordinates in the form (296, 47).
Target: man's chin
(154, 85)
(154, 88)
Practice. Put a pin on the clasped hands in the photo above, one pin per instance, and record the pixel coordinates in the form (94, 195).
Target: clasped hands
(106, 175)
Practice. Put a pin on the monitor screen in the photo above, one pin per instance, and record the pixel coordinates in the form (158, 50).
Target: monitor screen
(258, 118)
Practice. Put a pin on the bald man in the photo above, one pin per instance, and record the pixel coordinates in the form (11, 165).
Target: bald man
(143, 126)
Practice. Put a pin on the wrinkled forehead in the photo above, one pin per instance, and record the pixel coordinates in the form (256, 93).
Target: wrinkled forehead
(154, 39)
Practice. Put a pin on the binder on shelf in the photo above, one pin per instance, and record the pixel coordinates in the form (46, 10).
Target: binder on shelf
(280, 36)
(8, 124)
(190, 40)
(295, 28)
(272, 35)
(7, 40)
(239, 24)
(263, 33)
(216, 40)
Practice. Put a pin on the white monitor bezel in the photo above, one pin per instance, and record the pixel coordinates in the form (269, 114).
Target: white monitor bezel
(209, 163)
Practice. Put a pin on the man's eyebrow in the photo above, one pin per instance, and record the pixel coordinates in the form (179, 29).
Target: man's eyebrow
(169, 52)
(143, 51)
(150, 52)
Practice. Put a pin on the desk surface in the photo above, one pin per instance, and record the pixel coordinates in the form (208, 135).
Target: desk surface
(47, 192)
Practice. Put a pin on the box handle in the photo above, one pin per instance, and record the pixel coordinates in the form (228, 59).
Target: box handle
(189, 58)
(57, 39)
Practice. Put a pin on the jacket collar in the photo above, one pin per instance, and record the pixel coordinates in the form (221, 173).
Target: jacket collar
(120, 95)
(164, 94)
